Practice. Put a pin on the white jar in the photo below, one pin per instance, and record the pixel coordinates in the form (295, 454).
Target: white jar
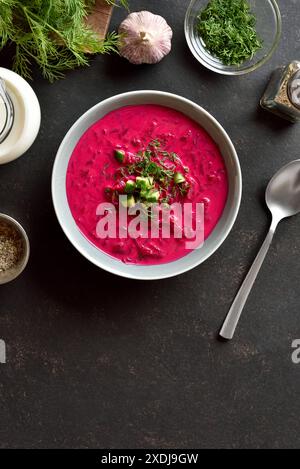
(20, 116)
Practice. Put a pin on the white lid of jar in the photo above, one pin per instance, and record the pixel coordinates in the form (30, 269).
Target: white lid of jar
(27, 117)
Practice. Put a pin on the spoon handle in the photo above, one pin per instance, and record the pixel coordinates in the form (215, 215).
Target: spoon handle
(237, 306)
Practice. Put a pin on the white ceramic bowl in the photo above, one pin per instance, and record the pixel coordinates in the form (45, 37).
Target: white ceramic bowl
(103, 260)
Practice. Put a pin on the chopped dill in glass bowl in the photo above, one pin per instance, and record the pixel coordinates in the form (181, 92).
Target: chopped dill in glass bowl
(233, 47)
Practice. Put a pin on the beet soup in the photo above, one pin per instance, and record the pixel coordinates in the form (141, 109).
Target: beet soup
(150, 154)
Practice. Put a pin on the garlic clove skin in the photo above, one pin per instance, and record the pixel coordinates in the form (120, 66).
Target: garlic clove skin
(146, 38)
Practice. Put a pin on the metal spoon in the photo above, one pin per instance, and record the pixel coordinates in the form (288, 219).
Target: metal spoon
(283, 200)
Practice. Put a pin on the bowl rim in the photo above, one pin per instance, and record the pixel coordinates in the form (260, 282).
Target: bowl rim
(228, 71)
(29, 102)
(69, 232)
(24, 235)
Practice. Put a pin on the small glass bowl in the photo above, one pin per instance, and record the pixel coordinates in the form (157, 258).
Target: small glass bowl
(268, 27)
(12, 273)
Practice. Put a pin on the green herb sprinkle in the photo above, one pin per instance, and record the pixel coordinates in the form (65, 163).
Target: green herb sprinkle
(227, 28)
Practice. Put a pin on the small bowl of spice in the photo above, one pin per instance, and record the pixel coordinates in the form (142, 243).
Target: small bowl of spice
(233, 37)
(14, 249)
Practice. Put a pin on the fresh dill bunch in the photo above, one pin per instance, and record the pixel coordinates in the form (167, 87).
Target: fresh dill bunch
(227, 28)
(51, 33)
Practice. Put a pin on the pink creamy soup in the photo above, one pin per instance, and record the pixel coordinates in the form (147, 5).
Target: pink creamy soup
(92, 168)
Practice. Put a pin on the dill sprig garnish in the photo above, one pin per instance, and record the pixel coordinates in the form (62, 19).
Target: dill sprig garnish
(227, 28)
(152, 163)
(154, 175)
(52, 34)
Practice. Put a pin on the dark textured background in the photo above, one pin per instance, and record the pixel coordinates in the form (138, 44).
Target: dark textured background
(100, 361)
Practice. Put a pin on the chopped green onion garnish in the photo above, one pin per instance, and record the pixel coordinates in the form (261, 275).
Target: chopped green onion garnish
(152, 196)
(179, 178)
(144, 183)
(130, 202)
(129, 187)
(120, 155)
(144, 194)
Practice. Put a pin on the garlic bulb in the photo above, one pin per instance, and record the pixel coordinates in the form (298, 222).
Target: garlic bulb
(146, 38)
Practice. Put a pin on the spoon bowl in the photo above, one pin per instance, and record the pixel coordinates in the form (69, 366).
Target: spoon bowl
(283, 191)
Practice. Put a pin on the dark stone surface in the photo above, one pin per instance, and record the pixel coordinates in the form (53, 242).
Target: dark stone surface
(100, 361)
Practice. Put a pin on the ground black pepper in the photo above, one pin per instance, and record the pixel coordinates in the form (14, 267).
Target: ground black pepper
(11, 246)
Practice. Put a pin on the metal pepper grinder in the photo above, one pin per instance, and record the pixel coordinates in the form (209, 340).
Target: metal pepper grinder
(282, 95)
